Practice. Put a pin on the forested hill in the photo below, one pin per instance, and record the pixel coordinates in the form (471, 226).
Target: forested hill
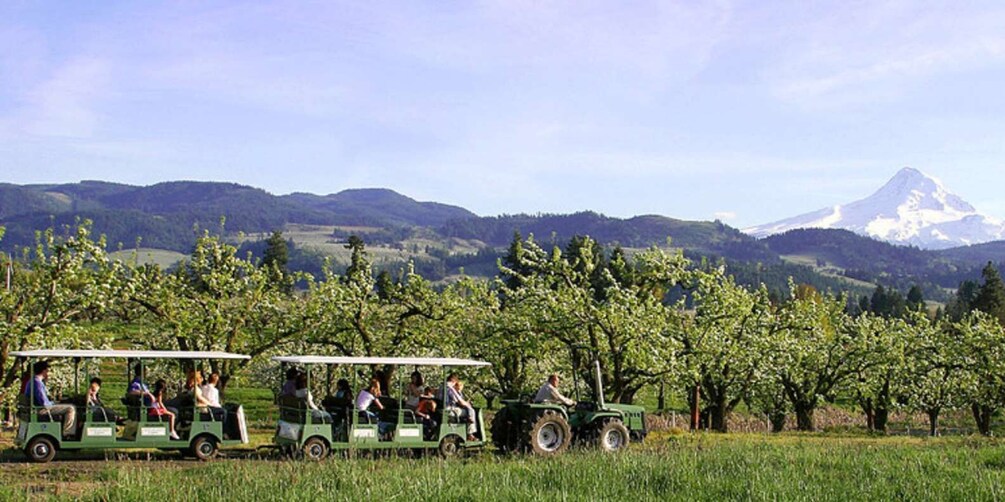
(442, 240)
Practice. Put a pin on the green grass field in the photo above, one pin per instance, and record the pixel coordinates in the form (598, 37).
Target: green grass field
(667, 467)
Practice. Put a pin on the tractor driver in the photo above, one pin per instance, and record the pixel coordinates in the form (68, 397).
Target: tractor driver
(548, 393)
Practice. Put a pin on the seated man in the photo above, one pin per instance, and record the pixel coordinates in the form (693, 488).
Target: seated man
(101, 413)
(457, 406)
(548, 393)
(39, 396)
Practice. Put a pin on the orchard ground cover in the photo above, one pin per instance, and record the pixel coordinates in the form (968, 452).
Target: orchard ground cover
(790, 466)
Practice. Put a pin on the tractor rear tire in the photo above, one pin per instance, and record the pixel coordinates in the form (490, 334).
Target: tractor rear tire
(502, 429)
(613, 436)
(548, 435)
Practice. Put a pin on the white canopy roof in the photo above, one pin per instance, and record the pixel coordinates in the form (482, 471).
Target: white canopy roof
(393, 361)
(128, 354)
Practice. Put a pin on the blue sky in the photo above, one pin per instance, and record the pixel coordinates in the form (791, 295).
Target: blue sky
(749, 111)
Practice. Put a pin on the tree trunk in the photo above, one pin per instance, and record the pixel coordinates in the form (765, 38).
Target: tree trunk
(804, 416)
(982, 415)
(661, 402)
(718, 414)
(777, 421)
(870, 416)
(881, 417)
(933, 422)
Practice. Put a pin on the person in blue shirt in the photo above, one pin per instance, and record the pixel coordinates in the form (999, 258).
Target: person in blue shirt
(39, 395)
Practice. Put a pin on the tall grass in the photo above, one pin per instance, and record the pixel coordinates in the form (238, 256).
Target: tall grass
(744, 467)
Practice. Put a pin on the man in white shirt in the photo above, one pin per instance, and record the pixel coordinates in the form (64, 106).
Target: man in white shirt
(548, 393)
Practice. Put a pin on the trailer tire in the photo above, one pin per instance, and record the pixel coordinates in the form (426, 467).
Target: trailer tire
(315, 449)
(204, 448)
(41, 449)
(451, 447)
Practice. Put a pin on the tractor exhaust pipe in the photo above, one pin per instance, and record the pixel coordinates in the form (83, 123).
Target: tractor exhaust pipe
(598, 384)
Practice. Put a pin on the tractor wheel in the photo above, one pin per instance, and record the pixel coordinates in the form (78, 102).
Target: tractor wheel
(315, 449)
(450, 447)
(40, 450)
(612, 436)
(549, 434)
(204, 448)
(501, 430)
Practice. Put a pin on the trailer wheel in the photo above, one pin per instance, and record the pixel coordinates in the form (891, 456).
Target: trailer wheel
(450, 447)
(204, 448)
(315, 449)
(549, 434)
(613, 436)
(40, 450)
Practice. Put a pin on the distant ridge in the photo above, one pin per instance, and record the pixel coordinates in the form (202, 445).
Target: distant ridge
(911, 209)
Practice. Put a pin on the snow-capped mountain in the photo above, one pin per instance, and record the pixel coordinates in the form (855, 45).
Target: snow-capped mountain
(912, 208)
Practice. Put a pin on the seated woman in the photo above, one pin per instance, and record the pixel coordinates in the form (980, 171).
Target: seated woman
(302, 392)
(342, 390)
(200, 401)
(414, 390)
(157, 408)
(369, 397)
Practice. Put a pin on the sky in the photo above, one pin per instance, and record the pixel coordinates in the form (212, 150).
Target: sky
(744, 111)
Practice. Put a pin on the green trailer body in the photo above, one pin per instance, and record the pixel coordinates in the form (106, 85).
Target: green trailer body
(41, 436)
(299, 432)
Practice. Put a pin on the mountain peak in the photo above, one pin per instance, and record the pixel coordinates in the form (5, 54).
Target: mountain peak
(911, 208)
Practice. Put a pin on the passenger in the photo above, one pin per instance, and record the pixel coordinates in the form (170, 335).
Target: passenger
(342, 390)
(39, 396)
(426, 410)
(94, 404)
(414, 390)
(459, 407)
(290, 385)
(302, 392)
(212, 395)
(548, 393)
(137, 387)
(158, 409)
(368, 397)
(209, 390)
(199, 400)
(381, 378)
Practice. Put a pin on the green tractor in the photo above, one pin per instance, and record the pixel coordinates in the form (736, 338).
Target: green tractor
(548, 429)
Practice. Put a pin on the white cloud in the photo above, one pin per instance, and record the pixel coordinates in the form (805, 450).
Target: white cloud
(724, 215)
(65, 105)
(880, 51)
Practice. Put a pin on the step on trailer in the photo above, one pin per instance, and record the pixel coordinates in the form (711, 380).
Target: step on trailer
(201, 434)
(343, 427)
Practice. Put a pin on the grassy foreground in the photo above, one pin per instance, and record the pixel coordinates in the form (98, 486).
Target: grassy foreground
(703, 467)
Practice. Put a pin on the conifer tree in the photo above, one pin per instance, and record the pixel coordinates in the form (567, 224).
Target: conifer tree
(991, 296)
